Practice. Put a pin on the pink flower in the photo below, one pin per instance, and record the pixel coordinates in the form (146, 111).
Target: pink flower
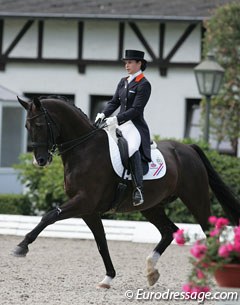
(187, 287)
(237, 239)
(225, 250)
(198, 250)
(212, 220)
(237, 233)
(214, 232)
(221, 222)
(205, 289)
(199, 289)
(192, 290)
(200, 274)
(236, 244)
(179, 237)
(196, 289)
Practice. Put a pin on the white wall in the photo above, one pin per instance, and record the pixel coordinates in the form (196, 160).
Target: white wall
(165, 111)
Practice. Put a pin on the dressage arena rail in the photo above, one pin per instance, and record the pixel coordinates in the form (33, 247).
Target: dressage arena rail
(134, 231)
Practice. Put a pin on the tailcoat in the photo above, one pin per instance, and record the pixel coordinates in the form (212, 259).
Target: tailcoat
(132, 99)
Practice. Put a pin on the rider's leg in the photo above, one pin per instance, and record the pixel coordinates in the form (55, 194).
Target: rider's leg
(131, 134)
(137, 178)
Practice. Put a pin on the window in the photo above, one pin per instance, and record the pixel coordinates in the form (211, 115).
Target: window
(193, 129)
(193, 116)
(97, 104)
(11, 134)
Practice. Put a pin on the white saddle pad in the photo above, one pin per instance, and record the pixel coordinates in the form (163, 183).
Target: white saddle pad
(157, 167)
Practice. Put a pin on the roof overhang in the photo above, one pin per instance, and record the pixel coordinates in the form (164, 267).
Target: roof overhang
(103, 17)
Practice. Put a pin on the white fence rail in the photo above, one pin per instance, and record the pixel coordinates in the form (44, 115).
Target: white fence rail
(135, 231)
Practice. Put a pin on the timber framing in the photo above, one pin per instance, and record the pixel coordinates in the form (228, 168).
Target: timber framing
(157, 60)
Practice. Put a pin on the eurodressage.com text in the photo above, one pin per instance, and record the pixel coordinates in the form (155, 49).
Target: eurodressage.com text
(169, 295)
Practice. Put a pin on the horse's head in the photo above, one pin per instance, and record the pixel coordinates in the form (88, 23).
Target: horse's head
(42, 131)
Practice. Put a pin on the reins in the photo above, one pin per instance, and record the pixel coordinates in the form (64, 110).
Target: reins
(75, 142)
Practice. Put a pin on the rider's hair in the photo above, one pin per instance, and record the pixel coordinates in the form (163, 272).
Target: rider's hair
(144, 65)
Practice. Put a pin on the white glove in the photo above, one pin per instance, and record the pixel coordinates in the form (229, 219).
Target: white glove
(100, 116)
(112, 121)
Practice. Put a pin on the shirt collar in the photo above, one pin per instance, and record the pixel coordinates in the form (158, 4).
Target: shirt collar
(132, 76)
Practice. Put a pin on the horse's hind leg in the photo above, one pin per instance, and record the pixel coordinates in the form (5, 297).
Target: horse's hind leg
(157, 217)
(197, 201)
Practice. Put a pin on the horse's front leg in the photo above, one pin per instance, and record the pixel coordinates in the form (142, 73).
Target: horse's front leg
(69, 209)
(49, 218)
(94, 223)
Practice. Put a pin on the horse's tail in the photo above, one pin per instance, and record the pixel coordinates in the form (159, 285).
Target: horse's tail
(228, 201)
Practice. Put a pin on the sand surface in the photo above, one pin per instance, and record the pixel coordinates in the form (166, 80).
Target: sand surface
(66, 272)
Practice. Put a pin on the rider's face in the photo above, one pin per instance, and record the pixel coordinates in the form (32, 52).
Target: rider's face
(132, 66)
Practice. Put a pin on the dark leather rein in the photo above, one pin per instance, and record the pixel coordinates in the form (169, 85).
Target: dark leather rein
(52, 146)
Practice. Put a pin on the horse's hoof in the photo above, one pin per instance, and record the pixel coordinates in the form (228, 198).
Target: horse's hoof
(20, 251)
(153, 277)
(102, 285)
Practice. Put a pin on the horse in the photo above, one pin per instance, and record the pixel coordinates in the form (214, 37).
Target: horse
(90, 181)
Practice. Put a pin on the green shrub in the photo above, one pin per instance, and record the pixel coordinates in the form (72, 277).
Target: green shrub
(14, 204)
(45, 187)
(136, 216)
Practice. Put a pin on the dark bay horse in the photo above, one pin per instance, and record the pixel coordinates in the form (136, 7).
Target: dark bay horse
(90, 181)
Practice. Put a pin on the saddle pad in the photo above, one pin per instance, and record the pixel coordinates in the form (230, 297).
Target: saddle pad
(157, 167)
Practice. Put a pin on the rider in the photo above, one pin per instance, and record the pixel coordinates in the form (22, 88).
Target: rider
(132, 95)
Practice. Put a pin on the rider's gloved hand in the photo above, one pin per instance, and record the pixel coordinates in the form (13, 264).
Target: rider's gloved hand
(112, 121)
(100, 116)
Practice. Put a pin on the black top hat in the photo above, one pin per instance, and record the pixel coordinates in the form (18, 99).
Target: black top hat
(134, 54)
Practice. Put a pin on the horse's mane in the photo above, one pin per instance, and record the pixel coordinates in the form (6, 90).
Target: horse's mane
(68, 102)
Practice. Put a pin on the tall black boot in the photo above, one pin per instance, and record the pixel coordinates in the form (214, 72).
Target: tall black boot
(137, 178)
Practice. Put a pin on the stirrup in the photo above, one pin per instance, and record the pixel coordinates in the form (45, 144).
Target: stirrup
(139, 200)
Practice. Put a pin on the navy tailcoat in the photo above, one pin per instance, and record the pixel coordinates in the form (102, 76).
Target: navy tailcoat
(132, 98)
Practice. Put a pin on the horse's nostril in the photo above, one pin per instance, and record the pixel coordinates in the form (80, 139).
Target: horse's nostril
(41, 161)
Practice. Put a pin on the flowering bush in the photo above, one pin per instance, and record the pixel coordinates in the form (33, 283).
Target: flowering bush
(222, 246)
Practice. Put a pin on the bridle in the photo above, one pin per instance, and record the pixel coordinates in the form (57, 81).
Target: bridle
(51, 138)
(51, 144)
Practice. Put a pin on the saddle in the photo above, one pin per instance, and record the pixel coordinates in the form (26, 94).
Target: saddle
(123, 149)
(118, 149)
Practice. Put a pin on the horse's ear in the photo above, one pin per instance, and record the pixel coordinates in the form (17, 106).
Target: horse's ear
(37, 102)
(25, 104)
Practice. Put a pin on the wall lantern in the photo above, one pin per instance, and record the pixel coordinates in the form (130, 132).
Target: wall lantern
(209, 76)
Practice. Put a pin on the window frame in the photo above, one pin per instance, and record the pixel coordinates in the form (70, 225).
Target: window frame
(23, 132)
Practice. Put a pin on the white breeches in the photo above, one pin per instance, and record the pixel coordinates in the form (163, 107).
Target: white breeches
(132, 135)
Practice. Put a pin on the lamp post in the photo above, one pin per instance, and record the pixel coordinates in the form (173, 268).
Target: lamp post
(209, 75)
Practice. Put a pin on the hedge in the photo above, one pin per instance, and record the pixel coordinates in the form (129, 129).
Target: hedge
(15, 204)
(45, 186)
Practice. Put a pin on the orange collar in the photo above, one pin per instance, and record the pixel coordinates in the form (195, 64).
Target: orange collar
(139, 77)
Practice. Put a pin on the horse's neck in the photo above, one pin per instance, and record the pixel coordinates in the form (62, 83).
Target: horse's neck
(74, 127)
(72, 122)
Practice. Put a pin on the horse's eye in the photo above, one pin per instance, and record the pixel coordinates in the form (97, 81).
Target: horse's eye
(39, 124)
